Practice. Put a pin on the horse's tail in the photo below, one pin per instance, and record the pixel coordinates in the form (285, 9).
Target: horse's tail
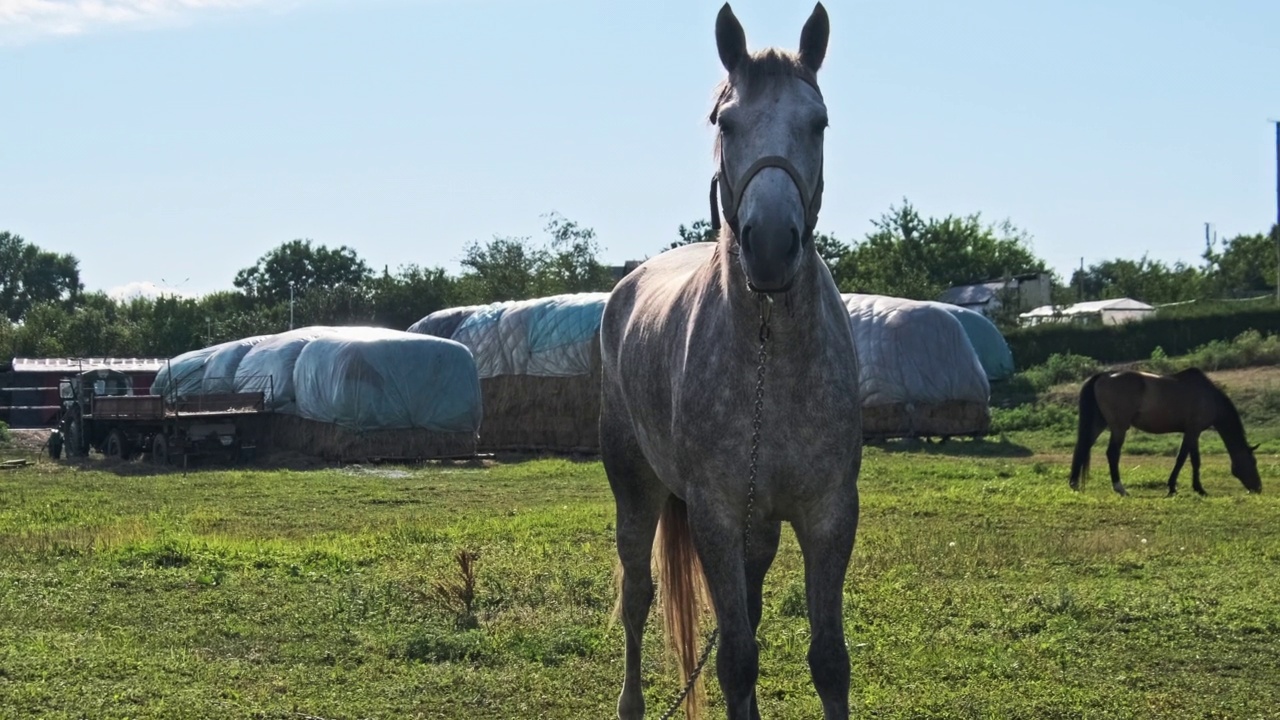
(1090, 414)
(684, 593)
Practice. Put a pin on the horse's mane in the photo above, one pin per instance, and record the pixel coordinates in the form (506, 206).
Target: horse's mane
(1229, 422)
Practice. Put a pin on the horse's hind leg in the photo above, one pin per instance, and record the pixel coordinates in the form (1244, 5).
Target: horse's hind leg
(639, 497)
(1177, 464)
(1194, 452)
(1113, 460)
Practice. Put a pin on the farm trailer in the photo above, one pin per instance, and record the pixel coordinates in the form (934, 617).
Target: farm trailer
(100, 412)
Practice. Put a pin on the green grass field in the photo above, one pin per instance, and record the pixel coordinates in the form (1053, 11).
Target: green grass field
(981, 588)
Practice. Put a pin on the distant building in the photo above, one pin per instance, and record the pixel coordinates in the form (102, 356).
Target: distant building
(29, 386)
(1025, 292)
(621, 271)
(1108, 312)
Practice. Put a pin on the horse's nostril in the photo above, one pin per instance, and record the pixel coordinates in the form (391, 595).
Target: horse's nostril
(746, 235)
(795, 237)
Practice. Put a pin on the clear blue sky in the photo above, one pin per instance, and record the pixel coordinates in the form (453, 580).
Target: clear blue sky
(175, 139)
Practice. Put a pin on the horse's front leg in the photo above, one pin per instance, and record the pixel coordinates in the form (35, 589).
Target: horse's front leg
(1113, 460)
(717, 535)
(1194, 452)
(1177, 464)
(826, 538)
(762, 548)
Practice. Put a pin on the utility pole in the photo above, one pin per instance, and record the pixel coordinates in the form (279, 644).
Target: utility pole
(291, 305)
(1277, 123)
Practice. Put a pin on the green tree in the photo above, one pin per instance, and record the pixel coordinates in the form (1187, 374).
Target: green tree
(570, 264)
(1246, 265)
(911, 257)
(304, 266)
(413, 292)
(698, 231)
(511, 268)
(504, 268)
(30, 276)
(1144, 279)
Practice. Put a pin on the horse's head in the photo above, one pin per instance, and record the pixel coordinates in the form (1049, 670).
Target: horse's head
(771, 119)
(1244, 466)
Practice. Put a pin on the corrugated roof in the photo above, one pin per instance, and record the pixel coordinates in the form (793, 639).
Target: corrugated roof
(62, 365)
(978, 294)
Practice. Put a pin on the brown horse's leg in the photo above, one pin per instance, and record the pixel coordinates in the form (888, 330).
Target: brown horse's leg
(1177, 464)
(1195, 465)
(1113, 460)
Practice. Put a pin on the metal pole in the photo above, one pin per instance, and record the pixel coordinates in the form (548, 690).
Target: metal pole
(290, 306)
(1277, 226)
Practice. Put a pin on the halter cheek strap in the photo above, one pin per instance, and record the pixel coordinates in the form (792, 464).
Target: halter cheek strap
(730, 199)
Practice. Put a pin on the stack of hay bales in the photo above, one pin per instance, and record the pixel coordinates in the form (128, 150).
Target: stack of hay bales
(345, 393)
(919, 374)
(992, 349)
(539, 367)
(444, 322)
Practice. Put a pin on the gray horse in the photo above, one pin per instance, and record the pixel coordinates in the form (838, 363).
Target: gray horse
(688, 340)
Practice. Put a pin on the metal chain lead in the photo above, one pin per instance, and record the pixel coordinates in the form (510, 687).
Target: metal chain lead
(766, 313)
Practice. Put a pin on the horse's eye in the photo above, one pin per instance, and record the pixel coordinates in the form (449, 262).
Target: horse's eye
(726, 127)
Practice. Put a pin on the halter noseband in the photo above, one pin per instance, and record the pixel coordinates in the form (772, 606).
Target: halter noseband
(730, 199)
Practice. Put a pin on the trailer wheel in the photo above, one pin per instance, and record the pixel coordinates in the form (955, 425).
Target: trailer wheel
(114, 446)
(160, 450)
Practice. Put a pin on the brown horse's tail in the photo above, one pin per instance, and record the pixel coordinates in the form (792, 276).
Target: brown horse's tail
(684, 593)
(1090, 416)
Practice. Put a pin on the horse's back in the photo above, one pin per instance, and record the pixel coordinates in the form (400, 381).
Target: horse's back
(1181, 402)
(649, 293)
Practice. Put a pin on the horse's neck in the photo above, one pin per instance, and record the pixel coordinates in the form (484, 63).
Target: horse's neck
(792, 311)
(1230, 427)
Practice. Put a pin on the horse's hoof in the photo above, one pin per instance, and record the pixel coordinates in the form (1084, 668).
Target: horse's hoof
(1202, 493)
(1171, 493)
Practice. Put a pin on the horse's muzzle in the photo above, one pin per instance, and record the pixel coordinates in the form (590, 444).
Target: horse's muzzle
(770, 257)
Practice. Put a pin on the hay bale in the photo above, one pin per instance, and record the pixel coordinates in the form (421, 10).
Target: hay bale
(543, 414)
(953, 417)
(444, 323)
(281, 432)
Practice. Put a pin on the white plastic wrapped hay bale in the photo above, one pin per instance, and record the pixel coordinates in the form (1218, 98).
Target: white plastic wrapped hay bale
(378, 379)
(220, 368)
(444, 323)
(539, 367)
(183, 375)
(268, 365)
(919, 373)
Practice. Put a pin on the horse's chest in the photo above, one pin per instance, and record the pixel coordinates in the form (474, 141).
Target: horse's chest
(809, 424)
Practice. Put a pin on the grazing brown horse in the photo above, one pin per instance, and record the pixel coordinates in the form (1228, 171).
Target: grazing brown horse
(1186, 402)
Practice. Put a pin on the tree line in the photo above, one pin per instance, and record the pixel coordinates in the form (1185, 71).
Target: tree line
(45, 310)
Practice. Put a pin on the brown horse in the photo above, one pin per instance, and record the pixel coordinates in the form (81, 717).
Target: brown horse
(1186, 402)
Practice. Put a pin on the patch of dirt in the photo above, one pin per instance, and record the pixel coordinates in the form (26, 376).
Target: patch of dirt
(29, 440)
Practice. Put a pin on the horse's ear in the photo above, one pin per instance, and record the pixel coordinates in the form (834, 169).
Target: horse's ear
(813, 38)
(1254, 448)
(731, 39)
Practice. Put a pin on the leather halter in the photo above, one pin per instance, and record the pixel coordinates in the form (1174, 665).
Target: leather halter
(730, 199)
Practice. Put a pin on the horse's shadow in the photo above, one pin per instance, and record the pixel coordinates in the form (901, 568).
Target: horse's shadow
(970, 447)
